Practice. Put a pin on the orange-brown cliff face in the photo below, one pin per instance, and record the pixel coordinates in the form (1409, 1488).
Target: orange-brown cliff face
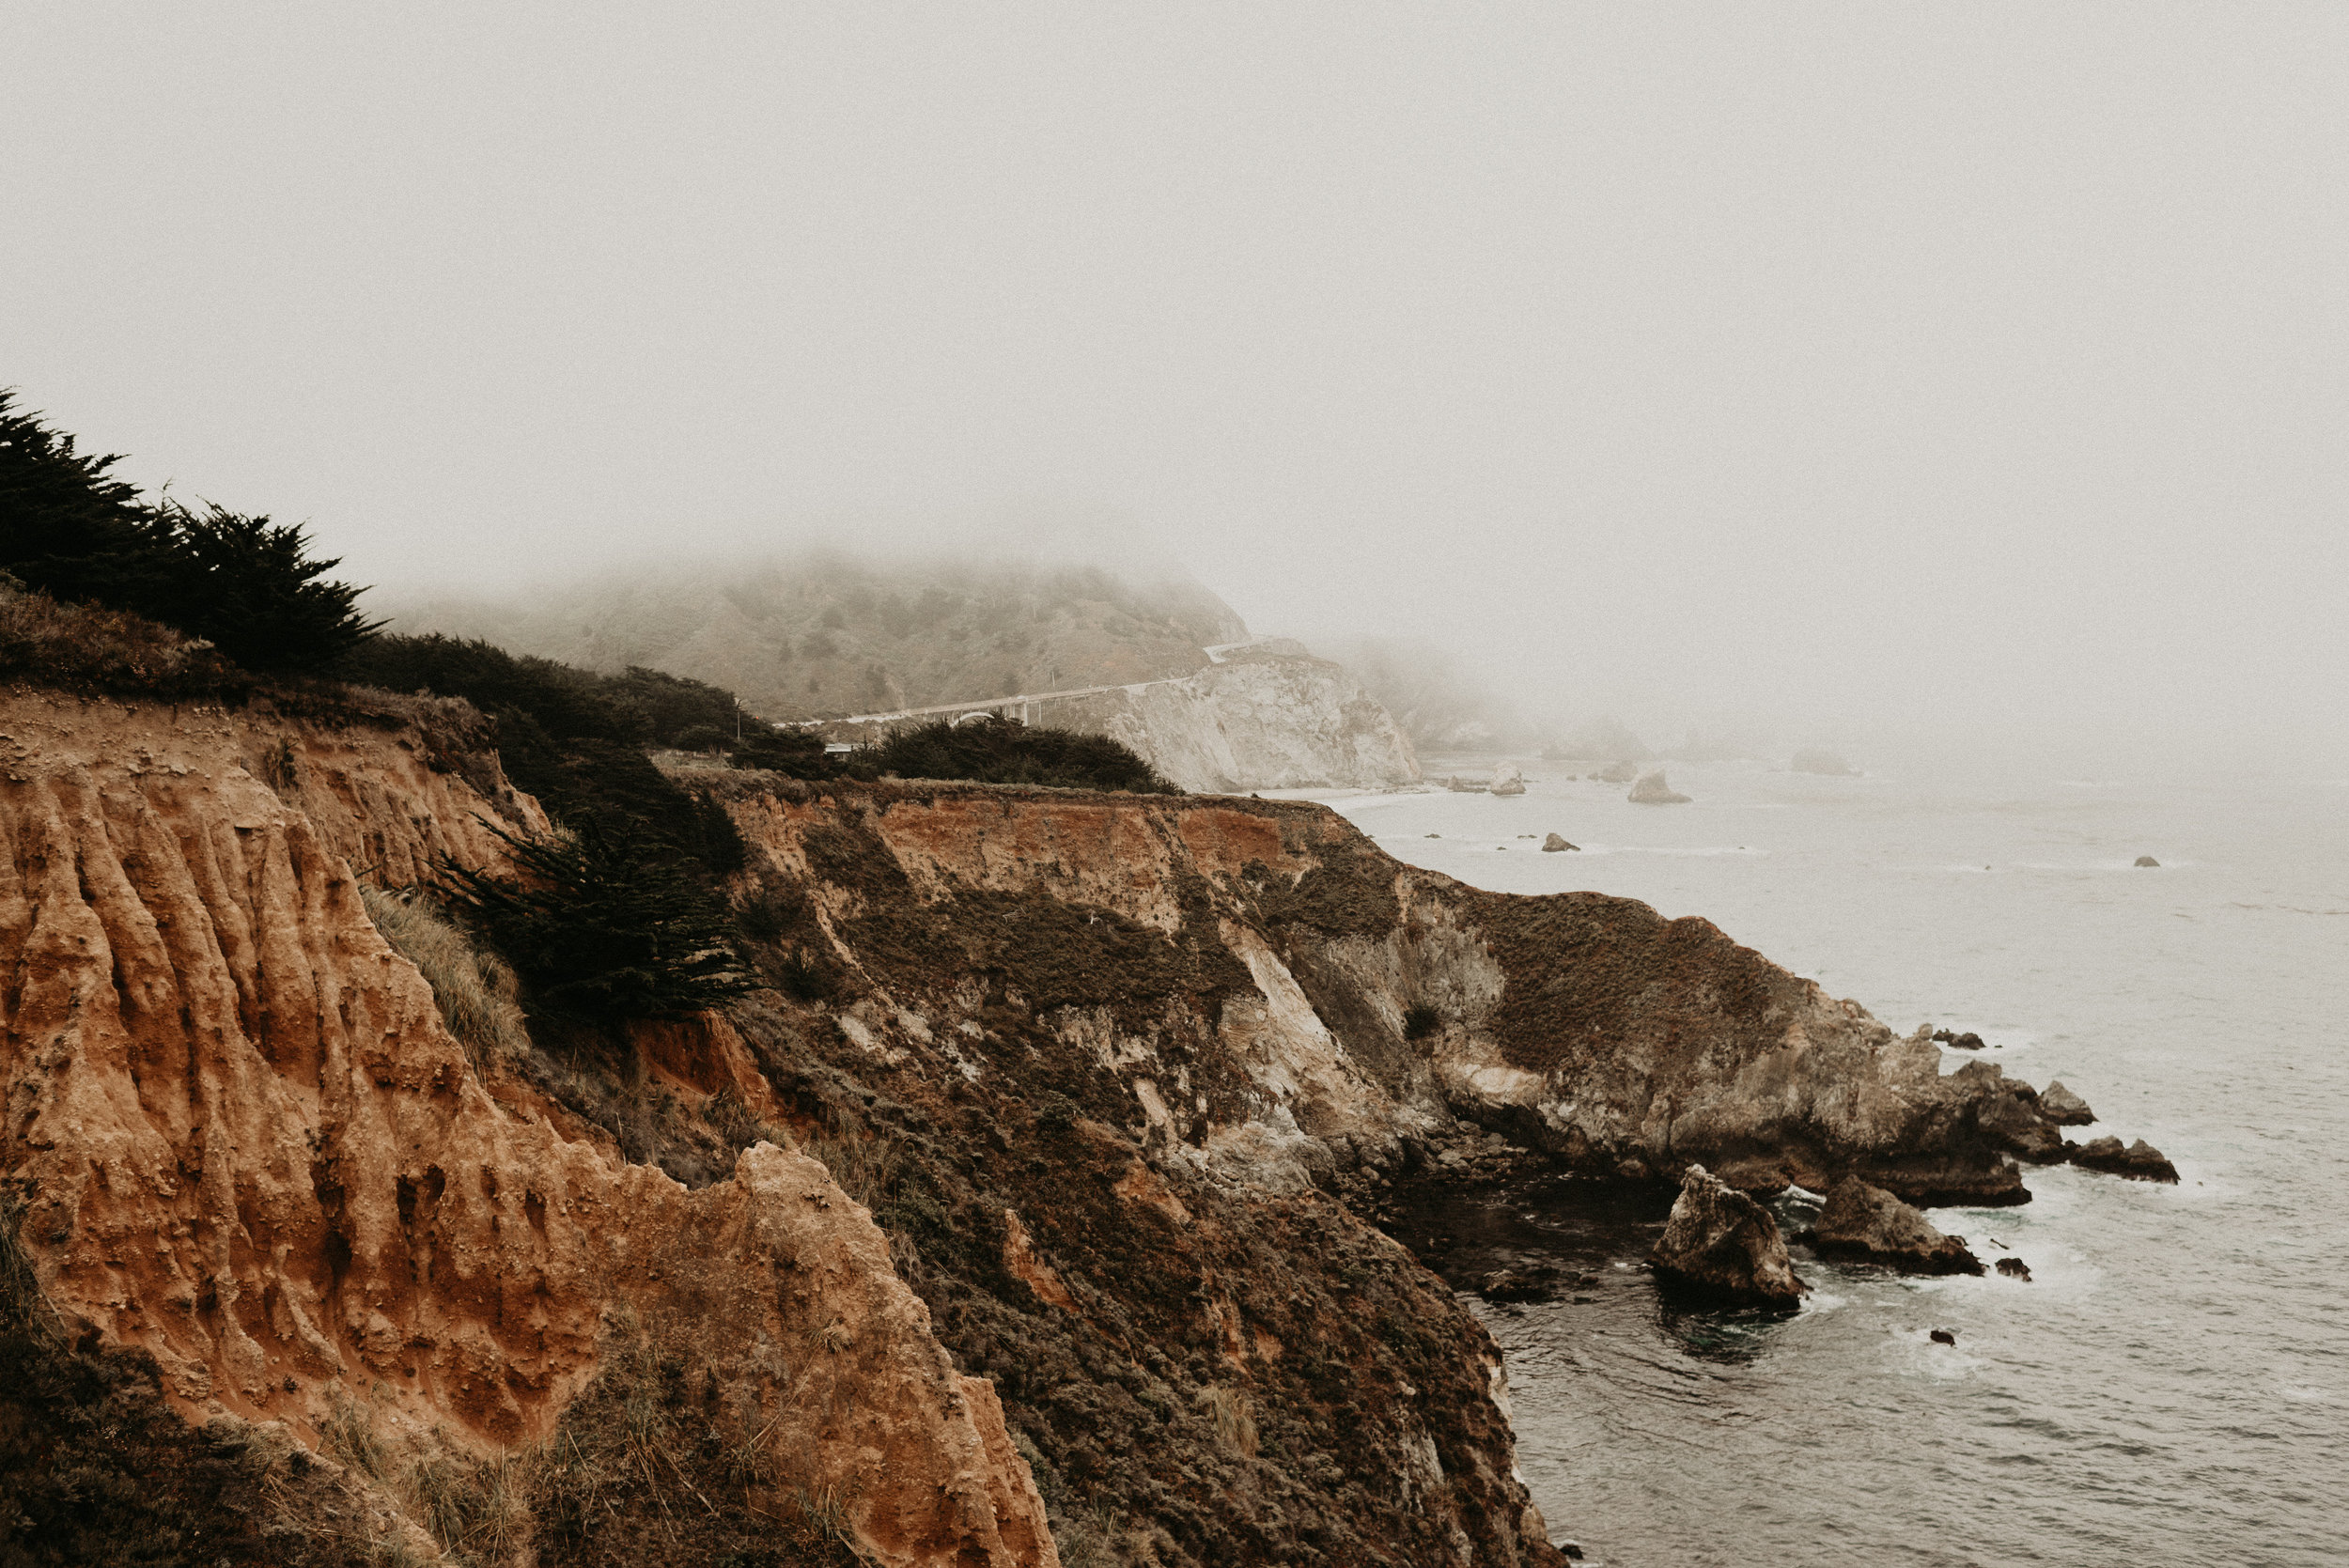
(247, 1145)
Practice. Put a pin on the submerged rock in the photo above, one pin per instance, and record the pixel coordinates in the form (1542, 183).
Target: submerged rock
(2062, 1106)
(2148, 861)
(1553, 844)
(2015, 1268)
(1654, 791)
(1942, 1336)
(1865, 1221)
(2140, 1161)
(1517, 1285)
(1507, 779)
(1722, 1245)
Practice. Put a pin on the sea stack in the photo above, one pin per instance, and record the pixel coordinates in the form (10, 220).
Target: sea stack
(1722, 1246)
(1653, 790)
(1553, 844)
(2062, 1106)
(1867, 1223)
(1507, 779)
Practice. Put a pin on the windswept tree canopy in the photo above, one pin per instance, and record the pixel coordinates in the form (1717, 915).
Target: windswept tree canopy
(248, 586)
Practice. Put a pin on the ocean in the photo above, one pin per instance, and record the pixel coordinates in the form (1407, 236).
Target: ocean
(2173, 1384)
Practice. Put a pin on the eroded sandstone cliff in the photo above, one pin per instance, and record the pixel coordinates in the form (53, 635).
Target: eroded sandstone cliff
(239, 1139)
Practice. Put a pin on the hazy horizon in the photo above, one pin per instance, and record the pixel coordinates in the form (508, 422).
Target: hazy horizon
(1972, 376)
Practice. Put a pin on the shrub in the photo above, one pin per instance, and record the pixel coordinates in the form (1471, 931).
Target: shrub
(1420, 1020)
(573, 739)
(795, 753)
(601, 928)
(992, 751)
(90, 648)
(700, 738)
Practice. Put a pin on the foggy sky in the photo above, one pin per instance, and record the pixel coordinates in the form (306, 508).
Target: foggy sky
(1966, 366)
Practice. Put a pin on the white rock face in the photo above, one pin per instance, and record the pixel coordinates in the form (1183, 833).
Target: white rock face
(1508, 780)
(1260, 720)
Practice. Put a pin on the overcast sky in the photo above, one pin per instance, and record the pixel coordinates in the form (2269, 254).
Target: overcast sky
(1973, 362)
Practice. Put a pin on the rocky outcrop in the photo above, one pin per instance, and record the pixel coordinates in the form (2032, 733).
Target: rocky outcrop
(1576, 1023)
(2146, 863)
(1826, 764)
(2062, 1106)
(1653, 790)
(1553, 844)
(1507, 779)
(2139, 1161)
(1721, 1246)
(249, 1148)
(2015, 1268)
(1869, 1223)
(1616, 772)
(2007, 1112)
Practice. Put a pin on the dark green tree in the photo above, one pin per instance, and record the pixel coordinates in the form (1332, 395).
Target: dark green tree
(600, 929)
(251, 587)
(68, 527)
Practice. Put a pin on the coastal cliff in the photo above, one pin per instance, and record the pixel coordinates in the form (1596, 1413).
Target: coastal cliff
(1265, 716)
(1032, 1230)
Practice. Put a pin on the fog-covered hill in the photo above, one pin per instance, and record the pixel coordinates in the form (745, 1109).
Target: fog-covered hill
(826, 635)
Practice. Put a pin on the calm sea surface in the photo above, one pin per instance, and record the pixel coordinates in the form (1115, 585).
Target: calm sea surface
(2173, 1384)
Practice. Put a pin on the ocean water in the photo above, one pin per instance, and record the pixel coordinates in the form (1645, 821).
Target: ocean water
(2172, 1384)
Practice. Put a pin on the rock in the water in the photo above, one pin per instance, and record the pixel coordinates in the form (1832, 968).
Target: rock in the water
(2015, 1268)
(2148, 859)
(1823, 761)
(1864, 1222)
(1553, 844)
(1967, 1041)
(2062, 1106)
(1721, 1244)
(1516, 1284)
(1942, 1336)
(1652, 790)
(2140, 1161)
(1617, 772)
(1507, 779)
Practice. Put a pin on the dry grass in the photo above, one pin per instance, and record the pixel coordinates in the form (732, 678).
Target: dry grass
(474, 988)
(863, 1163)
(1234, 1421)
(83, 646)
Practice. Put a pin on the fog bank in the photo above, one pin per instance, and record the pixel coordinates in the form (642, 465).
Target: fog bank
(1960, 374)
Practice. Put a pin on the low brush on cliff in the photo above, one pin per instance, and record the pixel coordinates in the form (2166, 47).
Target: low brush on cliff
(601, 927)
(576, 740)
(989, 750)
